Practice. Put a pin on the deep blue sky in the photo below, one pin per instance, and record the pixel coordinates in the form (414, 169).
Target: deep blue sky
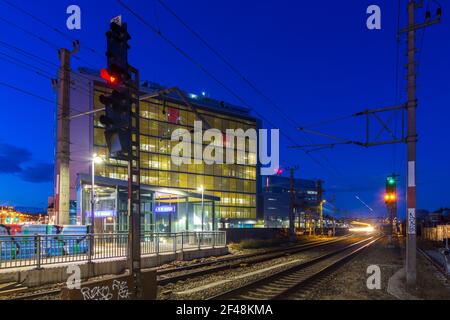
(316, 60)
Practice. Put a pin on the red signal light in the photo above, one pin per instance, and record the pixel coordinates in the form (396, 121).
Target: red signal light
(278, 171)
(110, 78)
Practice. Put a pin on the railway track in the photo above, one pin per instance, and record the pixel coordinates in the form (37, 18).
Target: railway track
(283, 284)
(165, 277)
(437, 265)
(173, 275)
(36, 295)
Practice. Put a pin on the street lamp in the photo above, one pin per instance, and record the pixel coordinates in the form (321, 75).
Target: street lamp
(202, 190)
(95, 160)
(321, 214)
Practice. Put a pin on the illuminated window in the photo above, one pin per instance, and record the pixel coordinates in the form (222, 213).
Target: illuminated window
(234, 184)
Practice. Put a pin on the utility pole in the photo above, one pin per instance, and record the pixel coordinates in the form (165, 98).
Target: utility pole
(292, 207)
(320, 199)
(411, 140)
(62, 155)
(411, 273)
(334, 215)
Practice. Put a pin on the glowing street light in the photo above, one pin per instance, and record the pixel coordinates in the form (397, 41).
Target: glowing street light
(321, 215)
(202, 190)
(95, 160)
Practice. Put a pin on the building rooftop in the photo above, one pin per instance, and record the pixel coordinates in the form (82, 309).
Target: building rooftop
(280, 181)
(200, 100)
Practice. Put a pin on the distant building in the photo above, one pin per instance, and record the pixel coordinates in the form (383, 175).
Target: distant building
(51, 214)
(275, 199)
(21, 215)
(432, 219)
(422, 214)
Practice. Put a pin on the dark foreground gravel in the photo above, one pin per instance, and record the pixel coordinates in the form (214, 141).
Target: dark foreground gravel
(350, 281)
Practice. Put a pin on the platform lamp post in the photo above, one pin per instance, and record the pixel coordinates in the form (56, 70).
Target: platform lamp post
(95, 160)
(202, 190)
(321, 215)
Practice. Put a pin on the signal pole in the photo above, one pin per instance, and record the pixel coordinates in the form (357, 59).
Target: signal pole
(391, 205)
(320, 199)
(334, 215)
(121, 121)
(411, 140)
(292, 206)
(134, 189)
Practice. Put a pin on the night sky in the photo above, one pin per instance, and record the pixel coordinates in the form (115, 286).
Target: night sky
(315, 59)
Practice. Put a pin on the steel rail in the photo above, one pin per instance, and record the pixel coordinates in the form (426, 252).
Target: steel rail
(436, 264)
(285, 286)
(235, 262)
(225, 264)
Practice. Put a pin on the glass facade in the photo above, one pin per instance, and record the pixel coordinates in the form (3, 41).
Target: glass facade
(161, 212)
(234, 184)
(275, 200)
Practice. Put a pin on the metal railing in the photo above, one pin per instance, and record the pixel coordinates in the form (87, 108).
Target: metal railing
(40, 250)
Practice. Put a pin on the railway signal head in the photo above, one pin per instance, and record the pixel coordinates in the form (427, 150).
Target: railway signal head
(391, 181)
(109, 77)
(116, 122)
(117, 46)
(118, 104)
(391, 185)
(390, 198)
(117, 73)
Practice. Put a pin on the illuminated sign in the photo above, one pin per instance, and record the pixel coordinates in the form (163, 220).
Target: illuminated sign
(102, 213)
(165, 209)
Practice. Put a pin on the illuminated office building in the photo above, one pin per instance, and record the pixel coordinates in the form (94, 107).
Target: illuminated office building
(275, 200)
(172, 200)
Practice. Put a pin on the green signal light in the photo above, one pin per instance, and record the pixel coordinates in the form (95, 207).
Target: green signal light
(391, 181)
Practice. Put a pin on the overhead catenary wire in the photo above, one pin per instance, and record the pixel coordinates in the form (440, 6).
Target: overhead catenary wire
(34, 95)
(45, 23)
(79, 86)
(41, 72)
(39, 59)
(221, 57)
(31, 34)
(93, 50)
(24, 65)
(209, 74)
(42, 39)
(397, 80)
(28, 54)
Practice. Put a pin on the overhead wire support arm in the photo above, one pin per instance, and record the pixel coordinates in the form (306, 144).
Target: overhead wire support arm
(420, 26)
(379, 110)
(368, 142)
(156, 94)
